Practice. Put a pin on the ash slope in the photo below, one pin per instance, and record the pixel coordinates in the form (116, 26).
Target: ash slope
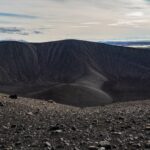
(74, 72)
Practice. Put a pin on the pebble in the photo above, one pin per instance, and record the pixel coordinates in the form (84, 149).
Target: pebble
(13, 126)
(147, 127)
(105, 144)
(73, 128)
(117, 133)
(57, 131)
(93, 148)
(147, 144)
(102, 148)
(50, 101)
(30, 114)
(56, 127)
(13, 96)
(47, 144)
(1, 104)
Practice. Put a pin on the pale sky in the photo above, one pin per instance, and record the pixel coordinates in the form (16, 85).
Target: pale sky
(46, 20)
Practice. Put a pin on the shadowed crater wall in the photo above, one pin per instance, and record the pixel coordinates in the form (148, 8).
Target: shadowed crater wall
(74, 72)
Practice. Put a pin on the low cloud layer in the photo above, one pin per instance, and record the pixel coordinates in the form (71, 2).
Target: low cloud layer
(18, 31)
(45, 20)
(3, 14)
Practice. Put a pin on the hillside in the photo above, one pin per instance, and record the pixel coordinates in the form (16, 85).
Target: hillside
(74, 72)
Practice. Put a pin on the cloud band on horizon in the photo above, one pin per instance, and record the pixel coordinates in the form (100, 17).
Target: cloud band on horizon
(3, 14)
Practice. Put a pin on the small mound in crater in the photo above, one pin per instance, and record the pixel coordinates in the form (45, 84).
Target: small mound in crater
(76, 95)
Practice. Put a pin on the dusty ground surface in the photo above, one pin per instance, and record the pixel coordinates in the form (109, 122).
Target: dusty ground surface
(27, 124)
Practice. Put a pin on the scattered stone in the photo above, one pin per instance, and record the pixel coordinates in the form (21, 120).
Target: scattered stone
(58, 128)
(102, 148)
(13, 96)
(147, 144)
(93, 148)
(13, 126)
(66, 143)
(135, 137)
(47, 144)
(137, 145)
(30, 113)
(5, 127)
(141, 136)
(53, 128)
(76, 148)
(57, 131)
(1, 104)
(37, 111)
(34, 144)
(95, 122)
(117, 133)
(60, 146)
(2, 146)
(107, 121)
(121, 118)
(147, 127)
(83, 143)
(105, 144)
(8, 148)
(18, 143)
(28, 136)
(51, 101)
(73, 128)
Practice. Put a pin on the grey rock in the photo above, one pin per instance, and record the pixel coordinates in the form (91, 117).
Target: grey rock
(93, 148)
(147, 144)
(105, 144)
(102, 148)
(1, 104)
(48, 145)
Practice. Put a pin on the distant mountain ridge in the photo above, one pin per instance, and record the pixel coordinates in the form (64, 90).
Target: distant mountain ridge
(74, 72)
(140, 44)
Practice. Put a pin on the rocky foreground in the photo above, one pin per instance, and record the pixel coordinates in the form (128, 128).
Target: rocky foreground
(28, 124)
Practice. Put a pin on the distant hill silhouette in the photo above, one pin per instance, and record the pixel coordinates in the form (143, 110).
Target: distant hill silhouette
(74, 72)
(137, 44)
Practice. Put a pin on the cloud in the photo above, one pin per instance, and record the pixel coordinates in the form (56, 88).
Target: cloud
(10, 30)
(16, 30)
(44, 20)
(133, 23)
(91, 23)
(79, 26)
(37, 32)
(3, 14)
(135, 14)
